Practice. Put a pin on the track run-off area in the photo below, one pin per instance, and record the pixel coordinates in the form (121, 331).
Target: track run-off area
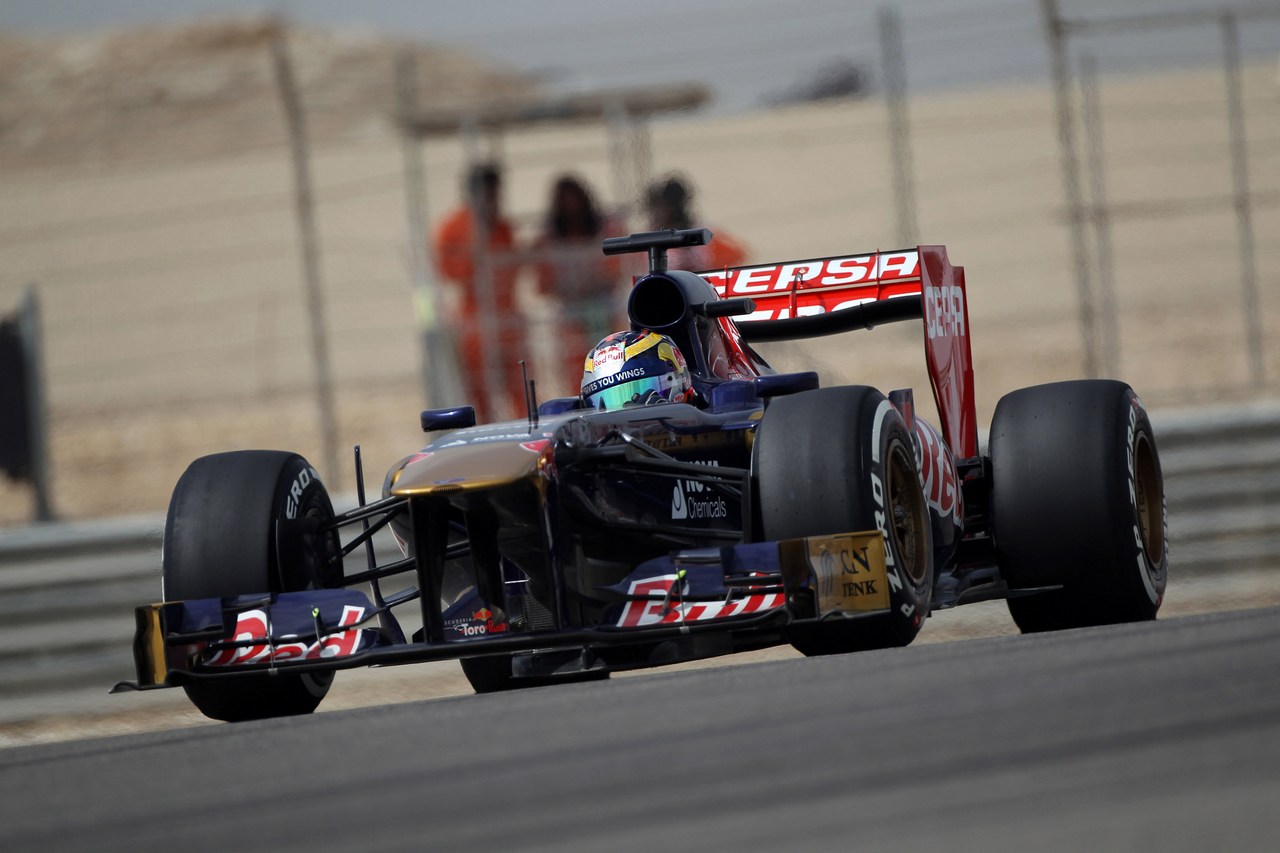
(1156, 736)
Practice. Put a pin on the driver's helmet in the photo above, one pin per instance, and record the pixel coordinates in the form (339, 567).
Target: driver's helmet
(635, 369)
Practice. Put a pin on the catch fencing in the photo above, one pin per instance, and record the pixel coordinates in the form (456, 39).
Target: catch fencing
(1218, 183)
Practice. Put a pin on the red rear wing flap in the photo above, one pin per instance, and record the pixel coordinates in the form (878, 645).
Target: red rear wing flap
(876, 287)
(946, 349)
(819, 285)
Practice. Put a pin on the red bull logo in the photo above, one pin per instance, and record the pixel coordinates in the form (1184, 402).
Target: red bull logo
(252, 625)
(481, 623)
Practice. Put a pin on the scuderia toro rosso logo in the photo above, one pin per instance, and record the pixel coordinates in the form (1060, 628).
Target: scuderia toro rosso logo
(477, 624)
(691, 499)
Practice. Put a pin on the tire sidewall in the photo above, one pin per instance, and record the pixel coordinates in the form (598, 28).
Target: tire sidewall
(1149, 577)
(909, 598)
(305, 556)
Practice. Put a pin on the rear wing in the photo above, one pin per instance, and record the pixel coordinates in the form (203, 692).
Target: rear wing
(820, 296)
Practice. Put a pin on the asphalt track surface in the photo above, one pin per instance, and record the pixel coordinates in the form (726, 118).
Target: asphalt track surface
(1162, 736)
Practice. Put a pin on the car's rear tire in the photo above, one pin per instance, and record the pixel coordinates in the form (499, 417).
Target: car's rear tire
(242, 523)
(1078, 502)
(838, 460)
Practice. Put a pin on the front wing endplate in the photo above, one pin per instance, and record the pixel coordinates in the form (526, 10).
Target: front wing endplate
(849, 570)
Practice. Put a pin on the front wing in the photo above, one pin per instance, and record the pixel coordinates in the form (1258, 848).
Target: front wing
(746, 588)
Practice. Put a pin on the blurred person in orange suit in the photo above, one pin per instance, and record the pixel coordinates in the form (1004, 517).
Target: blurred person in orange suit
(572, 269)
(466, 263)
(669, 202)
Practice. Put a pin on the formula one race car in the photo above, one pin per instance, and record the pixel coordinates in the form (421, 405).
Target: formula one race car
(753, 509)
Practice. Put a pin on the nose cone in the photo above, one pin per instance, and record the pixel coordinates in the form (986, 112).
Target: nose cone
(467, 467)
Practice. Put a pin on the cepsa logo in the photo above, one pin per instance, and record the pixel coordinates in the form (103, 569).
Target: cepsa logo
(944, 311)
(806, 288)
(824, 272)
(252, 625)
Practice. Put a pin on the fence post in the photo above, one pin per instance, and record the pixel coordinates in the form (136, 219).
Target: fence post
(1100, 216)
(441, 385)
(1056, 31)
(491, 327)
(24, 451)
(296, 125)
(617, 123)
(37, 416)
(1244, 210)
(895, 97)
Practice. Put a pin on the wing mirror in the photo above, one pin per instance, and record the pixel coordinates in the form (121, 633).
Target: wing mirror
(455, 418)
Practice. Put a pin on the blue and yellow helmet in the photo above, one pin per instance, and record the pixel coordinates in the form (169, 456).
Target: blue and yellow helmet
(635, 369)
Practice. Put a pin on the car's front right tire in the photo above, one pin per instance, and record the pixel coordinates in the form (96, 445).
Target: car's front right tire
(841, 460)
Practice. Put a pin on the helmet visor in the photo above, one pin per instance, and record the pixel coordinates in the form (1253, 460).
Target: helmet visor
(637, 392)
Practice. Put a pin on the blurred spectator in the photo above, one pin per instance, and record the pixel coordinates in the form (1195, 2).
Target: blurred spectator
(573, 270)
(475, 252)
(669, 204)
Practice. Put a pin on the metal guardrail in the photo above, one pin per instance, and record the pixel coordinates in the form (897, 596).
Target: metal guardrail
(1222, 484)
(67, 590)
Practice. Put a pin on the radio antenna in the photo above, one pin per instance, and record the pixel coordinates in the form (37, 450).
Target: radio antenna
(530, 397)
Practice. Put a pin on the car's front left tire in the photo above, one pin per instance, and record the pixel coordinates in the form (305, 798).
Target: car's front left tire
(242, 523)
